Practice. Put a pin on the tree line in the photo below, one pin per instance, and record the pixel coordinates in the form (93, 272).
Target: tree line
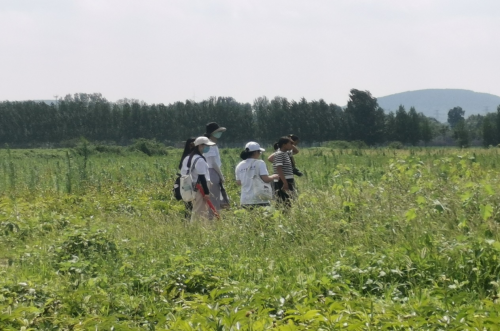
(97, 119)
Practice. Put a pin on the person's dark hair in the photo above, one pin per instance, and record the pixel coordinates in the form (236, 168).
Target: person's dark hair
(245, 154)
(187, 149)
(275, 146)
(283, 141)
(293, 137)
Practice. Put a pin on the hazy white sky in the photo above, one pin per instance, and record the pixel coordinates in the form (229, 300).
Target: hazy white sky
(163, 51)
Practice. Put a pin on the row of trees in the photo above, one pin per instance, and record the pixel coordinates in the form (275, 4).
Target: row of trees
(475, 127)
(93, 117)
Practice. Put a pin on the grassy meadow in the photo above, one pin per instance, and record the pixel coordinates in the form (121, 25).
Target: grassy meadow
(377, 240)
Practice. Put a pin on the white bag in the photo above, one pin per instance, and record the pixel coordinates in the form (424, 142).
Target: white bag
(261, 190)
(188, 186)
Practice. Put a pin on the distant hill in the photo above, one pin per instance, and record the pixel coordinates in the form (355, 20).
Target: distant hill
(47, 101)
(436, 102)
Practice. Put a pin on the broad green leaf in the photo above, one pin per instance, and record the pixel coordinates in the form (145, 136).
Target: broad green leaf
(489, 190)
(414, 189)
(486, 211)
(496, 245)
(411, 214)
(421, 200)
(466, 196)
(311, 314)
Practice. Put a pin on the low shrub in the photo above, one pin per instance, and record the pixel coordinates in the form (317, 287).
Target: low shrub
(109, 149)
(358, 144)
(70, 143)
(337, 144)
(148, 147)
(395, 145)
(342, 144)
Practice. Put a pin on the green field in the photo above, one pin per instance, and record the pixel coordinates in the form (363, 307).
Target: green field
(378, 239)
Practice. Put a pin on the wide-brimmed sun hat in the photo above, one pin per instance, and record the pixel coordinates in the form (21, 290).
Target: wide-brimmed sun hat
(213, 127)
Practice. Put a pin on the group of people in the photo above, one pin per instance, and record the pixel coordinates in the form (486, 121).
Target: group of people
(201, 159)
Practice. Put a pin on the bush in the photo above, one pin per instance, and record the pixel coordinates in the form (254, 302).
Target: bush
(396, 145)
(148, 147)
(87, 245)
(70, 143)
(337, 144)
(109, 149)
(358, 144)
(84, 148)
(342, 144)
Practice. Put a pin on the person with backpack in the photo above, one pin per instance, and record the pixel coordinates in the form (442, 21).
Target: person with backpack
(195, 165)
(188, 148)
(253, 177)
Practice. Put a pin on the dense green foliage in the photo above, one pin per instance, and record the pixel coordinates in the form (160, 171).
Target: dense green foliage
(29, 123)
(378, 240)
(455, 116)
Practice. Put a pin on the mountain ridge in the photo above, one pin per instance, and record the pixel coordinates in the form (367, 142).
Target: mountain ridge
(437, 102)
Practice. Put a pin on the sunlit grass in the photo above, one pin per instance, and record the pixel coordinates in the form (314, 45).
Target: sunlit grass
(378, 239)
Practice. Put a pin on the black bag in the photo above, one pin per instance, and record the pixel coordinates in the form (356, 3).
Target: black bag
(224, 199)
(177, 188)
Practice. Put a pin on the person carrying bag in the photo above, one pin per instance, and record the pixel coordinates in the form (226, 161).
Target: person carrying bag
(188, 148)
(252, 175)
(199, 175)
(186, 183)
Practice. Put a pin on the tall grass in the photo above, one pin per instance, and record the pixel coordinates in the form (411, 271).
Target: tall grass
(377, 239)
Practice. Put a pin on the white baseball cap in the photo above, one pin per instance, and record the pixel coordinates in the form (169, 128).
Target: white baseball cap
(252, 146)
(203, 141)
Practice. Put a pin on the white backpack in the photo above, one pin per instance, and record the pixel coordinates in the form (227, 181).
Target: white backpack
(188, 186)
(261, 190)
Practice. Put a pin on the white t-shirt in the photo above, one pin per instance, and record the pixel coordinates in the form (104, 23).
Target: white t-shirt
(201, 168)
(213, 157)
(245, 170)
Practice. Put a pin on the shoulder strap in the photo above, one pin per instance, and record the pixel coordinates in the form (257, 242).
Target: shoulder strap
(190, 168)
(189, 161)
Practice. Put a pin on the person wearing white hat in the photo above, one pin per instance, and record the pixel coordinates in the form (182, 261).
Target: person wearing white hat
(246, 171)
(200, 174)
(214, 132)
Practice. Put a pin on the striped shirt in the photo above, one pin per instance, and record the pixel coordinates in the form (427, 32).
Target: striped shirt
(283, 159)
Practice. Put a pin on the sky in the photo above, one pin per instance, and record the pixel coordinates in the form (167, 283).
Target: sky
(163, 51)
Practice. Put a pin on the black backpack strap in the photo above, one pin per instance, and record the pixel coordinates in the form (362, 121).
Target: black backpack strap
(189, 163)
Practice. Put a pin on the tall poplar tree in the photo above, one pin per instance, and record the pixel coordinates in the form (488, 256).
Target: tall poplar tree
(366, 118)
